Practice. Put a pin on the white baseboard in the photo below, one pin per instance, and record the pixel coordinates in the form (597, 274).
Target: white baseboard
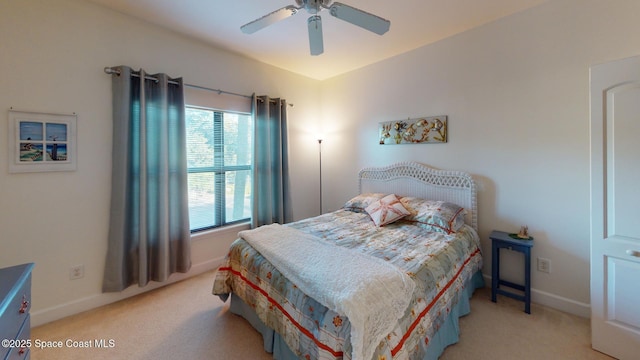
(561, 303)
(555, 301)
(44, 316)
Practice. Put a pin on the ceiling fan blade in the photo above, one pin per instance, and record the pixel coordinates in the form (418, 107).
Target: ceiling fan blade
(360, 18)
(269, 19)
(315, 35)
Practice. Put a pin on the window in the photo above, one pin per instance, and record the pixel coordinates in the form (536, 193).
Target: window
(219, 159)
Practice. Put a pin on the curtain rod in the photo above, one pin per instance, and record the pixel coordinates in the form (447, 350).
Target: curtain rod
(111, 71)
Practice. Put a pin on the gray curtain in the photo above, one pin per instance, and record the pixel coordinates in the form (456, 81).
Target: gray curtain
(271, 189)
(149, 236)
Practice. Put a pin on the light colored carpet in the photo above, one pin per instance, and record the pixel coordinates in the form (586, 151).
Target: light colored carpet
(184, 321)
(503, 330)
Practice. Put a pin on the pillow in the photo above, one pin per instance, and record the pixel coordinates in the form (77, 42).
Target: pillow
(386, 210)
(360, 202)
(434, 215)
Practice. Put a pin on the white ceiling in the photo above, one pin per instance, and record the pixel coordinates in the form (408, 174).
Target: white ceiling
(414, 23)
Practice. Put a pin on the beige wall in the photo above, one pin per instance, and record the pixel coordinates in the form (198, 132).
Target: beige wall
(52, 55)
(517, 95)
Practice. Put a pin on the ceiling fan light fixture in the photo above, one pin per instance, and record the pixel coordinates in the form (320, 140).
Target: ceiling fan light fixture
(341, 11)
(313, 6)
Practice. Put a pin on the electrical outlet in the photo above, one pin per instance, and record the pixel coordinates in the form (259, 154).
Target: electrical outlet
(76, 272)
(544, 265)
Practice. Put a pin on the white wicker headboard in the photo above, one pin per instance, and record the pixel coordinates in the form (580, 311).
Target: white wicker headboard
(418, 180)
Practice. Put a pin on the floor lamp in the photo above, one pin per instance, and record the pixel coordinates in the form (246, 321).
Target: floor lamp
(320, 158)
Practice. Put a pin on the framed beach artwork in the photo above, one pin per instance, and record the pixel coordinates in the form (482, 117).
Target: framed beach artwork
(41, 142)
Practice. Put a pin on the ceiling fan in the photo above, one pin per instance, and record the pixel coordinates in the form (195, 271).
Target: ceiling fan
(341, 11)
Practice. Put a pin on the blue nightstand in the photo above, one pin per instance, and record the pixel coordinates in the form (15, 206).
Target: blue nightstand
(502, 240)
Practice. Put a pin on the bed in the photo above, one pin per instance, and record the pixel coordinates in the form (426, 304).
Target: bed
(410, 279)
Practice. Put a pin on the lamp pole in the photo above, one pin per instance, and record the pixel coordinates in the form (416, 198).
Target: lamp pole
(320, 158)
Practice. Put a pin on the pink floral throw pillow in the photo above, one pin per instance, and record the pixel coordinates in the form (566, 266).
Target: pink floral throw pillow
(386, 210)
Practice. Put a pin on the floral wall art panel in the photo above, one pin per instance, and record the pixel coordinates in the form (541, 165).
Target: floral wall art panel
(431, 129)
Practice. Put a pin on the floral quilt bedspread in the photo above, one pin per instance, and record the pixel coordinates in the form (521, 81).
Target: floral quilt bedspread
(440, 265)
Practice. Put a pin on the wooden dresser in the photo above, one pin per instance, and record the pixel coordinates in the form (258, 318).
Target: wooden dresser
(15, 303)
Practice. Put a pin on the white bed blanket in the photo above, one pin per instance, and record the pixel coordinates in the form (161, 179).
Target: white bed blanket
(372, 293)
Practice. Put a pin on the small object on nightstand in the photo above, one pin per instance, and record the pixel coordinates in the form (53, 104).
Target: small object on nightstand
(500, 240)
(522, 235)
(524, 232)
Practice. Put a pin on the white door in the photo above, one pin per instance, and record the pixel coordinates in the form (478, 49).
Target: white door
(615, 208)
